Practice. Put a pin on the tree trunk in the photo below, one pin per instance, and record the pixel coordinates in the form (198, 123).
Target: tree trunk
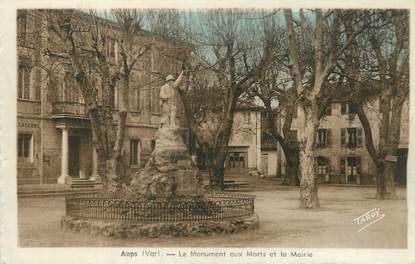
(380, 179)
(218, 172)
(292, 167)
(385, 186)
(113, 182)
(102, 169)
(389, 178)
(219, 159)
(308, 186)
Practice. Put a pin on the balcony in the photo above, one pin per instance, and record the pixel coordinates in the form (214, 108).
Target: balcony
(69, 109)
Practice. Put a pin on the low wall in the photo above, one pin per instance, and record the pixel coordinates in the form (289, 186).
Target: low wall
(176, 229)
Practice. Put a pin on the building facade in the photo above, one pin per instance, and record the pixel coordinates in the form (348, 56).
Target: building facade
(244, 148)
(340, 152)
(270, 156)
(53, 127)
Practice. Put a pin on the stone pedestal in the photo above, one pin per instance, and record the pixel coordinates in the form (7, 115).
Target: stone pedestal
(169, 172)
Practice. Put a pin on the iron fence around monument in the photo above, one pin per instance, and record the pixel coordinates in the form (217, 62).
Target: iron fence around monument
(212, 206)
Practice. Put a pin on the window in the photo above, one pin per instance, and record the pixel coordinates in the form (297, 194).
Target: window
(237, 160)
(350, 168)
(322, 167)
(155, 104)
(344, 108)
(110, 47)
(37, 83)
(327, 112)
(352, 109)
(323, 138)
(155, 61)
(24, 146)
(135, 99)
(135, 152)
(23, 82)
(22, 27)
(347, 108)
(68, 88)
(351, 137)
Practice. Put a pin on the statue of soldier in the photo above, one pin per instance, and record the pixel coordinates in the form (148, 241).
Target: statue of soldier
(167, 101)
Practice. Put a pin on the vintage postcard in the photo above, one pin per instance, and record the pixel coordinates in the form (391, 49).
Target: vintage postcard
(207, 132)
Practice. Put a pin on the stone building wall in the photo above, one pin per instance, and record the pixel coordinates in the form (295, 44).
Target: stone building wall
(37, 114)
(246, 138)
(334, 152)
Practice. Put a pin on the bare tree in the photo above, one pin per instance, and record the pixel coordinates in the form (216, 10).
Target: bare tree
(327, 41)
(380, 72)
(275, 92)
(223, 44)
(88, 41)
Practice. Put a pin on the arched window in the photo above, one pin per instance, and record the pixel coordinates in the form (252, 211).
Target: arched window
(135, 152)
(23, 82)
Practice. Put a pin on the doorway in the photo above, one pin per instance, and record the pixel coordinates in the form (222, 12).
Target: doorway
(264, 164)
(237, 162)
(400, 175)
(350, 168)
(73, 162)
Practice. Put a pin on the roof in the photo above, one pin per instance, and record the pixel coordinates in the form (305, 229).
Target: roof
(341, 93)
(85, 15)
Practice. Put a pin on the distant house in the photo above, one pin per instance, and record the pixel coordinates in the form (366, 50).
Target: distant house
(270, 157)
(244, 149)
(340, 152)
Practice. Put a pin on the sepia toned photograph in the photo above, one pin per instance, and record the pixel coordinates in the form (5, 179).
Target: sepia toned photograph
(212, 128)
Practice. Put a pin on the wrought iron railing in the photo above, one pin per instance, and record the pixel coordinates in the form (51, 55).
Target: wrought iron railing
(69, 109)
(212, 206)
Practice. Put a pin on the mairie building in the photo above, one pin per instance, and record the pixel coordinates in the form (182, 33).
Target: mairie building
(53, 127)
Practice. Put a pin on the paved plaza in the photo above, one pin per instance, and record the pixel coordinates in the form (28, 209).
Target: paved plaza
(282, 224)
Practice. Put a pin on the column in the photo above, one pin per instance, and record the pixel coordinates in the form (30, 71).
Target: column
(64, 177)
(95, 176)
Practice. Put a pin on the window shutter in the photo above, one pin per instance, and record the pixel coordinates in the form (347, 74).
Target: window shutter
(343, 137)
(317, 139)
(358, 165)
(359, 137)
(343, 108)
(327, 161)
(342, 167)
(328, 137)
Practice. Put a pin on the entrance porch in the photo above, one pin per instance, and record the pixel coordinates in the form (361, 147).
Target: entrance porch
(78, 156)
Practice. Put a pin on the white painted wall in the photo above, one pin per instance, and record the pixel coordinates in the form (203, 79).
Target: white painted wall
(246, 133)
